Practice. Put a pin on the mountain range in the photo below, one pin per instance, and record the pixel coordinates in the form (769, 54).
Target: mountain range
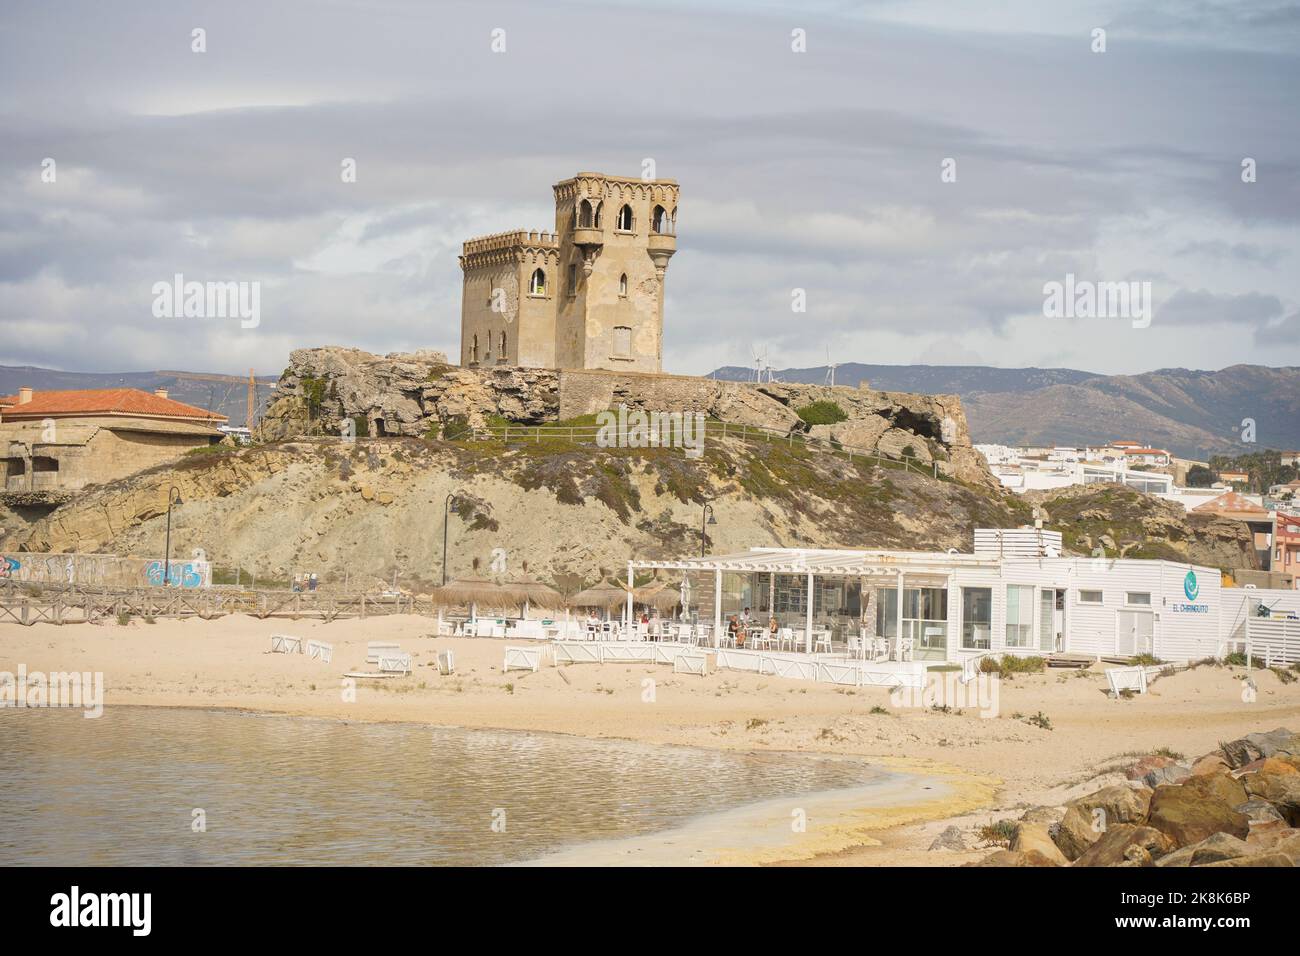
(1192, 413)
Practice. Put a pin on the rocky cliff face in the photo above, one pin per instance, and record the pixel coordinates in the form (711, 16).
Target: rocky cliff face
(554, 510)
(326, 391)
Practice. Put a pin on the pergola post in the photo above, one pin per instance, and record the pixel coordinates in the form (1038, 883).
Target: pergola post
(807, 631)
(717, 607)
(628, 623)
(898, 620)
(771, 595)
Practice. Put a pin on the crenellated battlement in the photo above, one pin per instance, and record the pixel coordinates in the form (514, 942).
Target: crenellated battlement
(519, 245)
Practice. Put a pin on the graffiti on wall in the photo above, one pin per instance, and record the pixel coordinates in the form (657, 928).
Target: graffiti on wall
(102, 570)
(180, 574)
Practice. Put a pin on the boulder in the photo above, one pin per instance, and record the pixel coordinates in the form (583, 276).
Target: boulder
(1220, 846)
(1257, 859)
(1269, 836)
(1037, 837)
(1179, 857)
(895, 443)
(1218, 786)
(1188, 815)
(1048, 815)
(1173, 773)
(1210, 763)
(859, 433)
(1281, 790)
(1259, 811)
(949, 839)
(1142, 767)
(1087, 817)
(1240, 752)
(1013, 858)
(1111, 847)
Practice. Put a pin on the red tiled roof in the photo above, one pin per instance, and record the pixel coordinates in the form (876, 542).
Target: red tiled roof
(102, 401)
(1145, 451)
(1231, 503)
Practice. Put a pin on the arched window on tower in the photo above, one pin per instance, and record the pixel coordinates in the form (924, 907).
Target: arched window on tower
(473, 354)
(624, 223)
(503, 346)
(585, 215)
(660, 223)
(538, 284)
(595, 221)
(622, 285)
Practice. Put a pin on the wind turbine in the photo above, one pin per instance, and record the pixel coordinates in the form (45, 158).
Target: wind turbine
(830, 368)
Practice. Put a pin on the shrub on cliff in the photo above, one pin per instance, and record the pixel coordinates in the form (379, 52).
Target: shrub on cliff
(822, 413)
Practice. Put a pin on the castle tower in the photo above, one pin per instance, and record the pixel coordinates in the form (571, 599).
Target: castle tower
(589, 295)
(616, 236)
(507, 307)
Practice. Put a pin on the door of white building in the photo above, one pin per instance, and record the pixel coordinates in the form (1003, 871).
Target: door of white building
(1135, 633)
(1051, 620)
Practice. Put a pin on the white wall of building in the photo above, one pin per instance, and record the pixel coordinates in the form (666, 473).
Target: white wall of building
(1182, 629)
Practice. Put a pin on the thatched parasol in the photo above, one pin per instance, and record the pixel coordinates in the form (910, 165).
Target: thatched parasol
(604, 595)
(535, 592)
(473, 592)
(658, 595)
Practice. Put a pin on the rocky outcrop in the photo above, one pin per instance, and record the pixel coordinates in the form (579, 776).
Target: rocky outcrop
(326, 391)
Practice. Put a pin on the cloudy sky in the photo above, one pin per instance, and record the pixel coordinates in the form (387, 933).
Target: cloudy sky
(817, 170)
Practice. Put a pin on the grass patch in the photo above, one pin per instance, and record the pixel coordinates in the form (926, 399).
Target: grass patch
(1012, 664)
(1000, 833)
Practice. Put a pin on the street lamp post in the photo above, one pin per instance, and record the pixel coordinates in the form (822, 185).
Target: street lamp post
(449, 508)
(706, 517)
(173, 497)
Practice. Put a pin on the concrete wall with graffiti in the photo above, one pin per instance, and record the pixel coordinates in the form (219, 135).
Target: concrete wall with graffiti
(104, 570)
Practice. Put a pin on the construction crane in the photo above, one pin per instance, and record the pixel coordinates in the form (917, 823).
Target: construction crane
(229, 379)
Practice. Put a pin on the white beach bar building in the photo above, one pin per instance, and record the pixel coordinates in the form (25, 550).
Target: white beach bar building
(948, 607)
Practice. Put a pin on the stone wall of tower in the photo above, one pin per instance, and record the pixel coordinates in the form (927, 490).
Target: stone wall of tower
(610, 317)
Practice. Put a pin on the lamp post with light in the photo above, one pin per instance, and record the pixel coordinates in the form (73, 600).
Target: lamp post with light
(706, 517)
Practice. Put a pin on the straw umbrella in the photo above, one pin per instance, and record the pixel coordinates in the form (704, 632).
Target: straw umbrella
(658, 595)
(471, 592)
(604, 596)
(530, 591)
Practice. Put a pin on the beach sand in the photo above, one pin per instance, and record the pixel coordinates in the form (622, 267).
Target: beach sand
(981, 769)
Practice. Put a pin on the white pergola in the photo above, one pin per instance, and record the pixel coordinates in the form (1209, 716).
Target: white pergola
(814, 563)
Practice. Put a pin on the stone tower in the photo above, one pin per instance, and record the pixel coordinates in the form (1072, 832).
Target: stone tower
(589, 295)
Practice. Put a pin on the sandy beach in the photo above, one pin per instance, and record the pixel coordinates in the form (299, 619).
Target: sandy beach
(982, 768)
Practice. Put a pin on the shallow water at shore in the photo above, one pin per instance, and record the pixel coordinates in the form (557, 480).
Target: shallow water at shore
(124, 788)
